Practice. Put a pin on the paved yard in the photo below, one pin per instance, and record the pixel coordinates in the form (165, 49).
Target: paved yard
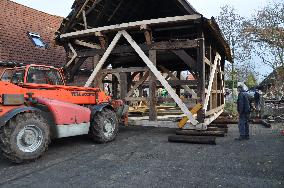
(142, 157)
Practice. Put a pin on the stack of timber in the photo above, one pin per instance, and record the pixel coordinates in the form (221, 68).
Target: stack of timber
(161, 111)
(199, 137)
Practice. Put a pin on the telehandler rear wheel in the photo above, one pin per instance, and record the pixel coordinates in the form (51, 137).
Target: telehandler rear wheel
(25, 138)
(104, 126)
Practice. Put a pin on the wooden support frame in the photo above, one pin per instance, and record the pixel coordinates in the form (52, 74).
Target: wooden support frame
(144, 77)
(148, 62)
(212, 75)
(173, 77)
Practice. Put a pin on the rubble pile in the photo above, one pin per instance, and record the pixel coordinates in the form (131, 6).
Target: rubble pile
(273, 111)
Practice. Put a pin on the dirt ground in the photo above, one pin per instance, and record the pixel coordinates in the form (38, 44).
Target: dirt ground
(142, 157)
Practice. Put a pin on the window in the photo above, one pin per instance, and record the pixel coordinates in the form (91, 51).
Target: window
(18, 76)
(7, 75)
(37, 40)
(44, 75)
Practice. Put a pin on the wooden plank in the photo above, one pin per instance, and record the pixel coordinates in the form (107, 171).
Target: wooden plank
(213, 111)
(103, 59)
(152, 88)
(193, 139)
(160, 77)
(131, 25)
(144, 77)
(212, 75)
(87, 44)
(129, 69)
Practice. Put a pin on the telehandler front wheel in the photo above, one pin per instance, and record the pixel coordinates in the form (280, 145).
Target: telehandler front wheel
(104, 126)
(25, 137)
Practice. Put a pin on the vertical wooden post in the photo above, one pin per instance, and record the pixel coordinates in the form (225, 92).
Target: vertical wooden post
(97, 81)
(201, 76)
(211, 67)
(114, 87)
(140, 88)
(178, 88)
(123, 85)
(152, 88)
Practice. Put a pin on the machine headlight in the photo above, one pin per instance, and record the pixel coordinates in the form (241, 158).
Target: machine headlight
(13, 99)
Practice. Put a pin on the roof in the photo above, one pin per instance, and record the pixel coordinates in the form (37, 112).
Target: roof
(101, 13)
(16, 47)
(271, 78)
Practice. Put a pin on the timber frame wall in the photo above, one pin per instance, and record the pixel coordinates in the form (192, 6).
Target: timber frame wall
(145, 52)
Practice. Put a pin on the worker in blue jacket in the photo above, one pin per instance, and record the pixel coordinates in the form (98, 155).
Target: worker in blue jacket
(243, 106)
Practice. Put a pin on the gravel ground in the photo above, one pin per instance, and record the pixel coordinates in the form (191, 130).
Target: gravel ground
(142, 157)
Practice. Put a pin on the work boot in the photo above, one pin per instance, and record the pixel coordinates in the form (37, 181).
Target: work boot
(240, 138)
(247, 137)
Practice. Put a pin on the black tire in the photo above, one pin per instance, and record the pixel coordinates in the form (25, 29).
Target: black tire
(25, 137)
(98, 130)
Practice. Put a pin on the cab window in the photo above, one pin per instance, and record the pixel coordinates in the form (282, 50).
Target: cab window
(7, 75)
(44, 75)
(18, 76)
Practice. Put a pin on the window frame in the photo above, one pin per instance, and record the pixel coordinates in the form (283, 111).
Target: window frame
(33, 35)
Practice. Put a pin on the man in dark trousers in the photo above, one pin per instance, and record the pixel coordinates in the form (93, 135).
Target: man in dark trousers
(244, 112)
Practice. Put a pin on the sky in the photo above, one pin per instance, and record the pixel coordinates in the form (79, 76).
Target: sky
(208, 8)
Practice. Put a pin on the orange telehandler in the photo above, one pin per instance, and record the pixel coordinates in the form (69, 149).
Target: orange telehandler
(36, 106)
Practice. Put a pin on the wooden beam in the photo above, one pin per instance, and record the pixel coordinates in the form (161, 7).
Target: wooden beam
(160, 77)
(201, 77)
(87, 44)
(172, 76)
(200, 133)
(131, 25)
(174, 45)
(187, 59)
(164, 45)
(103, 59)
(73, 57)
(130, 99)
(193, 139)
(212, 75)
(152, 88)
(213, 111)
(85, 19)
(129, 69)
(146, 75)
(123, 85)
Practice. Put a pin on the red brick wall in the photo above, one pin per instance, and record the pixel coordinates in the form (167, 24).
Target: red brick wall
(15, 45)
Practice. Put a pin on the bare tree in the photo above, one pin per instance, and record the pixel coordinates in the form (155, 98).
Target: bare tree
(231, 25)
(266, 31)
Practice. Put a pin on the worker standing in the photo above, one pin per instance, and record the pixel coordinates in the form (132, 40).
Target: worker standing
(243, 106)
